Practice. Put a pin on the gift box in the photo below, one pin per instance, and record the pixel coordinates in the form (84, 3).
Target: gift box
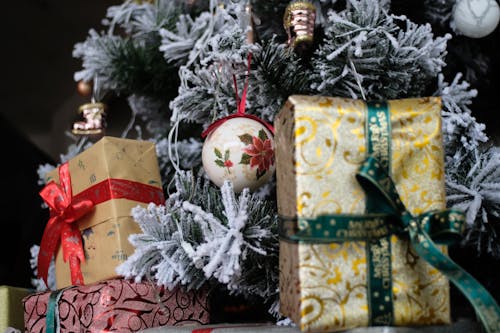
(11, 307)
(116, 305)
(97, 188)
(224, 328)
(321, 144)
(461, 326)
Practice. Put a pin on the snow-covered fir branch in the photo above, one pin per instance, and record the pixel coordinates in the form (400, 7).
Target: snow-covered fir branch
(205, 94)
(439, 11)
(130, 62)
(473, 186)
(98, 53)
(187, 152)
(79, 145)
(142, 19)
(367, 50)
(204, 234)
(207, 91)
(36, 282)
(461, 131)
(278, 74)
(153, 112)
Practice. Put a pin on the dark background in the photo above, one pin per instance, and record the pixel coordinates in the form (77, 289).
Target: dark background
(38, 94)
(39, 103)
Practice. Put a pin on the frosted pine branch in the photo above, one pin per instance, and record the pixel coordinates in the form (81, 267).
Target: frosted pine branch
(153, 112)
(364, 45)
(219, 51)
(98, 52)
(178, 46)
(223, 246)
(159, 254)
(439, 11)
(461, 131)
(473, 186)
(142, 19)
(204, 234)
(36, 282)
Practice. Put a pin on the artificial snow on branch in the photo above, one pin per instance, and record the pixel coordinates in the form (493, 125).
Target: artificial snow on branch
(473, 186)
(207, 92)
(36, 282)
(278, 74)
(129, 62)
(439, 11)
(188, 155)
(461, 132)
(204, 234)
(367, 50)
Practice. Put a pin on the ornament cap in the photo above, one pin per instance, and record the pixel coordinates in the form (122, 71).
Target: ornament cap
(299, 22)
(294, 6)
(96, 105)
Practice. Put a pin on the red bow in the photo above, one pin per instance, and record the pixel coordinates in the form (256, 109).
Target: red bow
(64, 210)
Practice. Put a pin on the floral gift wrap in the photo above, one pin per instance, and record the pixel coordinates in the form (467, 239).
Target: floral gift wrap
(361, 199)
(90, 199)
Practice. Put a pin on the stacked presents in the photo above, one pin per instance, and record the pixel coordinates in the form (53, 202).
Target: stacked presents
(90, 199)
(363, 230)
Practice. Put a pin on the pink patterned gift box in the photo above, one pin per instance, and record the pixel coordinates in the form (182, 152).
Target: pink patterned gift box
(115, 305)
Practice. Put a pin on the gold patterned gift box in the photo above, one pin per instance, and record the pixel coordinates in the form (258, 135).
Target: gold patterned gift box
(115, 174)
(321, 143)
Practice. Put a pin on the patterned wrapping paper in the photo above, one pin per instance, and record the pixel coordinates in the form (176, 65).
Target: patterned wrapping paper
(320, 145)
(11, 314)
(224, 328)
(117, 305)
(461, 326)
(105, 230)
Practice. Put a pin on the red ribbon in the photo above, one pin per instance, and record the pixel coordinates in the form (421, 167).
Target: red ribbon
(66, 209)
(241, 107)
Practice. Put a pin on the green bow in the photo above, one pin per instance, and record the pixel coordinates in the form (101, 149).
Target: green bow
(424, 231)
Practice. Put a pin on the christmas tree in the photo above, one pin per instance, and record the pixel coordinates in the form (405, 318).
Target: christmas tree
(182, 66)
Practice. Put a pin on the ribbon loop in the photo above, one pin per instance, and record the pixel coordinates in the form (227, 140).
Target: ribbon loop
(424, 231)
(444, 227)
(64, 211)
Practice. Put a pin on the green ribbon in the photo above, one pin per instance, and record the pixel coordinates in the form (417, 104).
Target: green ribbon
(52, 315)
(378, 249)
(424, 231)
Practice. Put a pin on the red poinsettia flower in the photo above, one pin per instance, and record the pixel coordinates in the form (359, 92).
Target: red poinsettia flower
(261, 153)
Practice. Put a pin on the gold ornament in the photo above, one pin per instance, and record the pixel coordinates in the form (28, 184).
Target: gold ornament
(84, 88)
(299, 21)
(93, 119)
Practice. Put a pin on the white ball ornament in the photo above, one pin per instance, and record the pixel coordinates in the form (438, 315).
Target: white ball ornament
(240, 150)
(476, 18)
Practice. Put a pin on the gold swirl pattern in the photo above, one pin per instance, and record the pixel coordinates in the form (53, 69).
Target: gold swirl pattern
(320, 143)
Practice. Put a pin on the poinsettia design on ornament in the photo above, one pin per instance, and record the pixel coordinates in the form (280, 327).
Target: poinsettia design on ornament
(223, 161)
(258, 152)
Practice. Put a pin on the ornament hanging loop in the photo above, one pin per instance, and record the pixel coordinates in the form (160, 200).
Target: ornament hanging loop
(241, 105)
